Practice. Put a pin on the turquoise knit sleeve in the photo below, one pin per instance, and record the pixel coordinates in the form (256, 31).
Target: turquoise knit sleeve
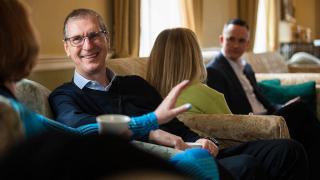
(197, 162)
(35, 124)
(142, 125)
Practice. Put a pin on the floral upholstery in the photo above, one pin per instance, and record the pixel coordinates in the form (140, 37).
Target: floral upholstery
(234, 129)
(11, 130)
(34, 96)
(129, 66)
(230, 129)
(268, 62)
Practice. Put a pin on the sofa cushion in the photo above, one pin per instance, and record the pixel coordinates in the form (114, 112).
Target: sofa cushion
(268, 62)
(34, 96)
(280, 94)
(128, 66)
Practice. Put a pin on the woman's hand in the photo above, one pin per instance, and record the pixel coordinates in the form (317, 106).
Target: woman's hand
(166, 111)
(167, 139)
(209, 145)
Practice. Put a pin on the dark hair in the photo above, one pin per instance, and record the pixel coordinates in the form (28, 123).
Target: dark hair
(18, 44)
(80, 13)
(238, 22)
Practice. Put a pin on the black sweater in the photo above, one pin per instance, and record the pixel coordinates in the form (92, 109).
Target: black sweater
(128, 95)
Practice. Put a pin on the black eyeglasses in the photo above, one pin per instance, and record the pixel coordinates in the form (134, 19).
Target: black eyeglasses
(77, 41)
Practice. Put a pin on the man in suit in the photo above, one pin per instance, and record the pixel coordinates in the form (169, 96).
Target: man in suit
(229, 74)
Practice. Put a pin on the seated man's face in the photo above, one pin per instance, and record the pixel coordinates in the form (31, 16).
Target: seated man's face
(88, 53)
(234, 41)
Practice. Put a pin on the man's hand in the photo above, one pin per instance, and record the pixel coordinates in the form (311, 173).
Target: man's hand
(209, 145)
(166, 111)
(167, 139)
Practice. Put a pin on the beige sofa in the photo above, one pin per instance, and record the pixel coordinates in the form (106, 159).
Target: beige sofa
(229, 129)
(271, 65)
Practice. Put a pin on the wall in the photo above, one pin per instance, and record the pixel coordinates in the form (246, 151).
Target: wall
(53, 78)
(216, 13)
(48, 17)
(317, 15)
(306, 15)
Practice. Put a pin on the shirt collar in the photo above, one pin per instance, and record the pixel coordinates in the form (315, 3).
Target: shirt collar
(82, 82)
(238, 64)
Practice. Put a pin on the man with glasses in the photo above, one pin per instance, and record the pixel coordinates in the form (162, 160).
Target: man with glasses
(95, 90)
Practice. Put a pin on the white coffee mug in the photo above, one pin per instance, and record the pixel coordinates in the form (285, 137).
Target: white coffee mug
(113, 123)
(194, 144)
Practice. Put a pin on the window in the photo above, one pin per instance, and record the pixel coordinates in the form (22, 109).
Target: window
(260, 43)
(157, 15)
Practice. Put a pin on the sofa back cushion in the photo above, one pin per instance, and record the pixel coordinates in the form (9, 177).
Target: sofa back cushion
(268, 62)
(34, 96)
(128, 66)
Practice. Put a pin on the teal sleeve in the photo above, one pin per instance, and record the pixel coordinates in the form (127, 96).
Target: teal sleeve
(197, 162)
(36, 124)
(142, 125)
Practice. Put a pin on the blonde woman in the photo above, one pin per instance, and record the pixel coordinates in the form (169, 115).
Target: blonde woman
(176, 56)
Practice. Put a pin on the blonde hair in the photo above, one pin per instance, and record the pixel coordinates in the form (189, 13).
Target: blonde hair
(18, 45)
(175, 56)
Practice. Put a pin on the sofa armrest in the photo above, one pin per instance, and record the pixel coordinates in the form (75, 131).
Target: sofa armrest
(158, 150)
(234, 129)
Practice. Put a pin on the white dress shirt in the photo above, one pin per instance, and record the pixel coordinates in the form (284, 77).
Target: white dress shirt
(82, 82)
(256, 105)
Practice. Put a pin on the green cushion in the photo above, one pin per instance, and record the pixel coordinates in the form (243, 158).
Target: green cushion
(280, 94)
(271, 82)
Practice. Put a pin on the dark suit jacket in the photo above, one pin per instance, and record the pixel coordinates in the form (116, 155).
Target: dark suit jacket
(222, 77)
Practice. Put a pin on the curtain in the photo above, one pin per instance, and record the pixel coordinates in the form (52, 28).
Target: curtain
(272, 21)
(247, 10)
(192, 13)
(126, 28)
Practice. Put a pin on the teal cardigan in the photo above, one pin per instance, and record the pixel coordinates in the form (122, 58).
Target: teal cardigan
(34, 123)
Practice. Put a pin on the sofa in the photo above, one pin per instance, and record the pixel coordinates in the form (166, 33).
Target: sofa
(11, 127)
(228, 129)
(271, 65)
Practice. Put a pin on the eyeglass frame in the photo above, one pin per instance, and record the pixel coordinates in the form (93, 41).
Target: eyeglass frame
(90, 36)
